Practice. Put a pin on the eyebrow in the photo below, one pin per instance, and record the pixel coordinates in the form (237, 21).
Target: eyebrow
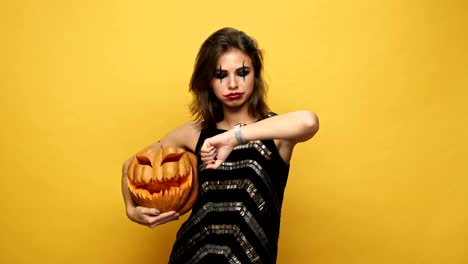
(240, 68)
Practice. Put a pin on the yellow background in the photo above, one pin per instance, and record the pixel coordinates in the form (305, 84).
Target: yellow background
(85, 84)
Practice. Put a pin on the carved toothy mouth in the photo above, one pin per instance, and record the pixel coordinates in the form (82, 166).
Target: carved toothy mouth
(172, 174)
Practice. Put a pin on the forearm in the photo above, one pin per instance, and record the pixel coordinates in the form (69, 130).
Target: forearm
(129, 203)
(294, 127)
(289, 129)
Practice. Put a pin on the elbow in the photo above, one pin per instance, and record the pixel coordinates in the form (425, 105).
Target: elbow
(310, 123)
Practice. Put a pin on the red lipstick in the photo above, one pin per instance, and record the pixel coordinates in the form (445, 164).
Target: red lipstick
(233, 96)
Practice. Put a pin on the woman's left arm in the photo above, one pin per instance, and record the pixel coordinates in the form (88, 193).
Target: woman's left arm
(293, 127)
(287, 129)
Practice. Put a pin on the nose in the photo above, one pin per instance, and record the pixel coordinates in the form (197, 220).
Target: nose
(232, 82)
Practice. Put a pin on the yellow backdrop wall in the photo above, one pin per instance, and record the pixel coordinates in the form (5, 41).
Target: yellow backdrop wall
(85, 84)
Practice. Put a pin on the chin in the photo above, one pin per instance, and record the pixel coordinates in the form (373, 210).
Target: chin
(235, 106)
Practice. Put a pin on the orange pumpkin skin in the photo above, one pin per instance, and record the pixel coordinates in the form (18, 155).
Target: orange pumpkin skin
(164, 179)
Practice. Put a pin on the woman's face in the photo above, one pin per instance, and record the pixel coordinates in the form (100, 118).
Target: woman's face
(234, 79)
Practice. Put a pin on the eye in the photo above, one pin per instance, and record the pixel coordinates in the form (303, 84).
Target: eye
(220, 75)
(242, 72)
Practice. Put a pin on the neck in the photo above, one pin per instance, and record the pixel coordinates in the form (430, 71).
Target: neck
(233, 118)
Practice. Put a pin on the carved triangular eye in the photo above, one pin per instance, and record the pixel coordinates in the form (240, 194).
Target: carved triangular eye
(172, 157)
(144, 160)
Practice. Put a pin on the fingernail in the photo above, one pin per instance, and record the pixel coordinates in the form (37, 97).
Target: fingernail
(157, 211)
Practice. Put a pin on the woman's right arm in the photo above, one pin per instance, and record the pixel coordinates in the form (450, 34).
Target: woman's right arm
(184, 136)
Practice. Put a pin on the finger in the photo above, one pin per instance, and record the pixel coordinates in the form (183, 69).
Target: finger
(208, 161)
(210, 166)
(154, 212)
(209, 157)
(206, 150)
(213, 152)
(214, 164)
(166, 214)
(149, 211)
(205, 155)
(207, 146)
(164, 219)
(210, 151)
(152, 220)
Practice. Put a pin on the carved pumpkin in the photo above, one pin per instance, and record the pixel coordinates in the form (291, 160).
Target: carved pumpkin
(164, 179)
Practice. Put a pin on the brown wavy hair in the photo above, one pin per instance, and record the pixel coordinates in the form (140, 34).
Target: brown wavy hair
(205, 107)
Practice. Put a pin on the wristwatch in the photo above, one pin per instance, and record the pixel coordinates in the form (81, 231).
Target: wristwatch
(238, 134)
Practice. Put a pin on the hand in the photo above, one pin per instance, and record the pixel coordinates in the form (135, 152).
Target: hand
(150, 217)
(215, 150)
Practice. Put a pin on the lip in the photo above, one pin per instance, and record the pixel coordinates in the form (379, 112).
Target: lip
(233, 96)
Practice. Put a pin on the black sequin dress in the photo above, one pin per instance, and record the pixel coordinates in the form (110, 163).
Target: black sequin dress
(236, 218)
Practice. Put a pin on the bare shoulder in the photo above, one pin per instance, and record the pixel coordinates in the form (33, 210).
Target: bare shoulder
(185, 135)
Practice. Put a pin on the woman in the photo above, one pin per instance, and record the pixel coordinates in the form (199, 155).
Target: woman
(243, 151)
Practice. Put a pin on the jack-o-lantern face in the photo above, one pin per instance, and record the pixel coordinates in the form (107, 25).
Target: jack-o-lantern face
(165, 179)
